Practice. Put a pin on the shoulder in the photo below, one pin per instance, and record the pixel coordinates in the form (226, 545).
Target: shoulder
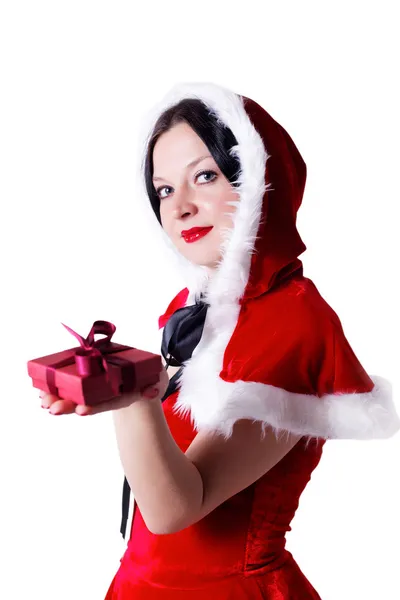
(303, 305)
(291, 319)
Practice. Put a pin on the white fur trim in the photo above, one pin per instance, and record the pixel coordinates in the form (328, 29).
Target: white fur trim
(333, 416)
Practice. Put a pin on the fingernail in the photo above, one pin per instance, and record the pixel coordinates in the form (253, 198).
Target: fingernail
(152, 393)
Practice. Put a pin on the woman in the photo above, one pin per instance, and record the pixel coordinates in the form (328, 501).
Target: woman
(265, 373)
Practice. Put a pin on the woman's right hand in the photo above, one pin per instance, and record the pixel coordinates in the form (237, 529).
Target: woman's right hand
(59, 406)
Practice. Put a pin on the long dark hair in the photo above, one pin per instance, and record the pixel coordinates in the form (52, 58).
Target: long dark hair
(218, 138)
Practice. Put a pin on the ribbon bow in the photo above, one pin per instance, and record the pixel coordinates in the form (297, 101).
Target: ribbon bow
(90, 359)
(93, 358)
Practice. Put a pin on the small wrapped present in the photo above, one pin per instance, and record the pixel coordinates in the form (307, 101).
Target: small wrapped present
(97, 370)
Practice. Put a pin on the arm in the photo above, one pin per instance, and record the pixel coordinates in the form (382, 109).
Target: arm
(175, 489)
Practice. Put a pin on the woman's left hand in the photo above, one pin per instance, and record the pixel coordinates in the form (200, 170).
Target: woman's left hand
(59, 406)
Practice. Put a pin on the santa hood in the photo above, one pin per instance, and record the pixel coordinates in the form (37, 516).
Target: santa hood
(272, 349)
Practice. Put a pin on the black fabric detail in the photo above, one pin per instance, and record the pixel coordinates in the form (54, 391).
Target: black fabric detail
(182, 333)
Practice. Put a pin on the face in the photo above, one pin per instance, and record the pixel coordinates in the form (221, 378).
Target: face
(193, 193)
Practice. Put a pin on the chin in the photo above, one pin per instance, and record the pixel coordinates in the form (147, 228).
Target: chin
(200, 257)
(212, 264)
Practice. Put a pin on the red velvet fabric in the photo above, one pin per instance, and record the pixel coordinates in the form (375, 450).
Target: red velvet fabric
(278, 242)
(296, 343)
(236, 552)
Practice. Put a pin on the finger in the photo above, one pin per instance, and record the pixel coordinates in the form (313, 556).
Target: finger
(62, 407)
(47, 399)
(83, 410)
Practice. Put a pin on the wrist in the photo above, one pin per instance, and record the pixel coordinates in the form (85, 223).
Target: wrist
(138, 400)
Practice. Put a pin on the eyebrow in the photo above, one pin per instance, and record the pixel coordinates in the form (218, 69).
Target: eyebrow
(193, 163)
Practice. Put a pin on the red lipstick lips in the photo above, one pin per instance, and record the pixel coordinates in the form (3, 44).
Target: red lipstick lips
(194, 234)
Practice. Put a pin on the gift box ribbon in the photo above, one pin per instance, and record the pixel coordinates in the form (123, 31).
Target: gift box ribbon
(93, 358)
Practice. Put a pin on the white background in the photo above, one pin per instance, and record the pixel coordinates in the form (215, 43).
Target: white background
(76, 78)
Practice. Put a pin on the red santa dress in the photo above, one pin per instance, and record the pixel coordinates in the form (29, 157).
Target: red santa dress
(271, 350)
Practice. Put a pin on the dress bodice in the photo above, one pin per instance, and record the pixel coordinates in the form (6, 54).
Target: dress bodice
(245, 535)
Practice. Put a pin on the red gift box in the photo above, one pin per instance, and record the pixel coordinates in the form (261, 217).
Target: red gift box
(97, 370)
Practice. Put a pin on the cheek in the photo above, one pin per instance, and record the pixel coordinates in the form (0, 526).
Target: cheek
(169, 226)
(225, 197)
(164, 215)
(165, 221)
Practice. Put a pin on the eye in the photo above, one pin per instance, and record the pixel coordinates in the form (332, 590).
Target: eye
(210, 175)
(207, 174)
(163, 187)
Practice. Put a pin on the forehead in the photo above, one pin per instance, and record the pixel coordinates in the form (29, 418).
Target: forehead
(177, 147)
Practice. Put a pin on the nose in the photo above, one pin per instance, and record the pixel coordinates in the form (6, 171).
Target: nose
(184, 202)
